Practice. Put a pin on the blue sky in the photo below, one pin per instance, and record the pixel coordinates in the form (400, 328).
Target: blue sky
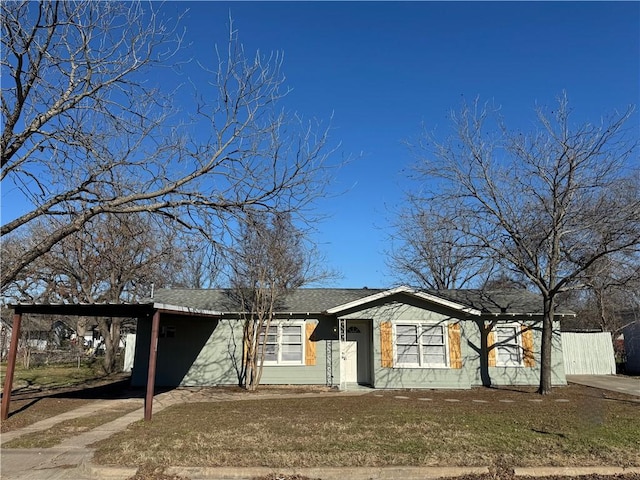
(382, 69)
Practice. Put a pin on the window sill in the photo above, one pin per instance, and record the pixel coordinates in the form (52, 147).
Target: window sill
(274, 364)
(423, 367)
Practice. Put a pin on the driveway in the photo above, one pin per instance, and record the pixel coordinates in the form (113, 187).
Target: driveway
(616, 383)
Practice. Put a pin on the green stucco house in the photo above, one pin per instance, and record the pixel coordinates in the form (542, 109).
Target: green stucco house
(396, 338)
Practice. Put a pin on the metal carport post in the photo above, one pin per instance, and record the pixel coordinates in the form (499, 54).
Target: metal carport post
(93, 310)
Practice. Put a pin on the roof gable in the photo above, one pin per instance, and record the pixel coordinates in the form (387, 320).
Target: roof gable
(365, 301)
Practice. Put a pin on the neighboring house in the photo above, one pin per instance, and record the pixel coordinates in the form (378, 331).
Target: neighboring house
(397, 338)
(632, 347)
(41, 333)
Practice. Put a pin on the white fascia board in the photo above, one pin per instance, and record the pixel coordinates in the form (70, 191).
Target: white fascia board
(178, 309)
(408, 291)
(367, 299)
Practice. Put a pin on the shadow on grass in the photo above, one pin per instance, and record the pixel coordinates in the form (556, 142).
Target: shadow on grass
(104, 388)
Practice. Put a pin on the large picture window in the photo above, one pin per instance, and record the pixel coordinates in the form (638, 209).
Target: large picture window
(284, 344)
(421, 345)
(508, 351)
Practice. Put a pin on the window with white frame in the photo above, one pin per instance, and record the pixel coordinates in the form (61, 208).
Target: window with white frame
(420, 345)
(284, 344)
(508, 351)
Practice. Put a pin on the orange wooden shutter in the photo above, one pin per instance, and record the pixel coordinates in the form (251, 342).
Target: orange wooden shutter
(491, 340)
(310, 347)
(527, 347)
(455, 352)
(386, 345)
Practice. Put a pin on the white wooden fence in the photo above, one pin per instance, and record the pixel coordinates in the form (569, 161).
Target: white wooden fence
(588, 353)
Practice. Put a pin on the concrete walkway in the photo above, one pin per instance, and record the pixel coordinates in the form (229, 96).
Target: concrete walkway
(71, 459)
(614, 383)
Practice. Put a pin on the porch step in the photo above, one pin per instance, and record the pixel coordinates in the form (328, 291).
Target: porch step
(357, 387)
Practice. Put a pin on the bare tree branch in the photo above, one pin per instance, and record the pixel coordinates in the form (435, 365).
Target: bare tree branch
(85, 135)
(551, 205)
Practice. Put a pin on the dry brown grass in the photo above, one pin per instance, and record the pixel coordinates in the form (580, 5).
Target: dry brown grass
(27, 411)
(40, 402)
(592, 428)
(69, 428)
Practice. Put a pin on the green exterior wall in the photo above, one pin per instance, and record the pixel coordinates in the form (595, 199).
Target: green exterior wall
(397, 377)
(207, 352)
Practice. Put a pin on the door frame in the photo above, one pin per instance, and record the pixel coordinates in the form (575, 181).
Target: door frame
(364, 352)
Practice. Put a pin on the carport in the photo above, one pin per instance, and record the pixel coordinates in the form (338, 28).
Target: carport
(119, 310)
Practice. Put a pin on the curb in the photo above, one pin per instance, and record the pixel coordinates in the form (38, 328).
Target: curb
(572, 471)
(351, 473)
(329, 473)
(109, 473)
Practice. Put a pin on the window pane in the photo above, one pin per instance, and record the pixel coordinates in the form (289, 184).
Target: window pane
(506, 334)
(406, 334)
(408, 354)
(270, 353)
(432, 339)
(408, 358)
(292, 334)
(433, 350)
(508, 356)
(271, 338)
(433, 355)
(406, 330)
(291, 353)
(433, 358)
(407, 349)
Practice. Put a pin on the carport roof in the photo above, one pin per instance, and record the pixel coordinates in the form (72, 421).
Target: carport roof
(126, 310)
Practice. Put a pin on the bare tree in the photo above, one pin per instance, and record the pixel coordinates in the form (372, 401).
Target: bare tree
(113, 258)
(272, 259)
(549, 205)
(431, 252)
(86, 134)
(612, 288)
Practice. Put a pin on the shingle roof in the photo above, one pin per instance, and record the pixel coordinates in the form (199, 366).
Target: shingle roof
(499, 301)
(302, 300)
(317, 300)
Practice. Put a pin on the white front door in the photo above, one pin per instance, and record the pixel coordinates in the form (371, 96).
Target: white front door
(358, 333)
(350, 361)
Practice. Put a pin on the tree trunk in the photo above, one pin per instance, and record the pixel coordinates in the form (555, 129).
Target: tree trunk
(110, 331)
(485, 329)
(545, 351)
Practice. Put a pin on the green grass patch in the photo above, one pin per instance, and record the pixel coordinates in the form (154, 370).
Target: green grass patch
(384, 431)
(51, 376)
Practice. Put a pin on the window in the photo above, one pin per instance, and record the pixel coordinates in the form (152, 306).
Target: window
(284, 344)
(421, 345)
(508, 346)
(167, 331)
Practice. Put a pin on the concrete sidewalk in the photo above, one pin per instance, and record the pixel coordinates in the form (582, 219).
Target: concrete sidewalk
(614, 383)
(71, 459)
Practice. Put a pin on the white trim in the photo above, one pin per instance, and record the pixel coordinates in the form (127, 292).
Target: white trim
(420, 364)
(518, 343)
(278, 324)
(176, 308)
(408, 291)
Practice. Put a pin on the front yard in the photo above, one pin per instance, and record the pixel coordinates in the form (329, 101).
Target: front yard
(575, 426)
